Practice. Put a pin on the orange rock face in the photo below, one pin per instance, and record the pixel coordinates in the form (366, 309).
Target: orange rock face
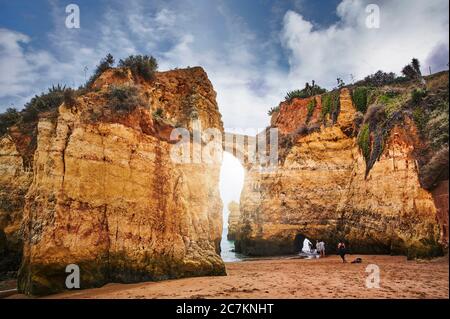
(15, 180)
(293, 114)
(320, 191)
(107, 197)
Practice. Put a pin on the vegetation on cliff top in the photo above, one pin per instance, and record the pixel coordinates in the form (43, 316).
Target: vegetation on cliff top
(308, 91)
(385, 106)
(140, 65)
(47, 103)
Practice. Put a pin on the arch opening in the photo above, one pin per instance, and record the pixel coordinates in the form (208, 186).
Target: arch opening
(231, 183)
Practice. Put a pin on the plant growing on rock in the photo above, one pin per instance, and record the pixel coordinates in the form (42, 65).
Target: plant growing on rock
(123, 98)
(311, 106)
(105, 64)
(331, 105)
(378, 79)
(308, 91)
(46, 102)
(420, 118)
(141, 65)
(340, 83)
(412, 71)
(417, 95)
(8, 119)
(70, 98)
(273, 110)
(437, 127)
(360, 98)
(364, 141)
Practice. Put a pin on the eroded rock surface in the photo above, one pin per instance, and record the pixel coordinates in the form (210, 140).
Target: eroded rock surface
(320, 191)
(107, 197)
(233, 220)
(14, 183)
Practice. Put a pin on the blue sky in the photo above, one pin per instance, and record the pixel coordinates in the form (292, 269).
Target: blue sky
(253, 51)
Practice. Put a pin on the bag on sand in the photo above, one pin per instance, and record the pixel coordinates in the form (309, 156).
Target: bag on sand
(357, 261)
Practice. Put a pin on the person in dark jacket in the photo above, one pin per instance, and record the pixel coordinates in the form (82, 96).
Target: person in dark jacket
(342, 250)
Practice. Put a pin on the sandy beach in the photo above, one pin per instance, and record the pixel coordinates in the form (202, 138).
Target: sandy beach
(294, 278)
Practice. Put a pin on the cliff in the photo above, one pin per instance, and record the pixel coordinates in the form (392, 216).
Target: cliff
(233, 220)
(14, 183)
(106, 195)
(324, 187)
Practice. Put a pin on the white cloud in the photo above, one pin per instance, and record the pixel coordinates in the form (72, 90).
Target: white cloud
(408, 29)
(23, 69)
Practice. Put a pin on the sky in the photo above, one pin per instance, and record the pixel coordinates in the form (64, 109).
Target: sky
(231, 182)
(253, 51)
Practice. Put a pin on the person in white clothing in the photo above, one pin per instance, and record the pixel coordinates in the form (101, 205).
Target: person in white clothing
(320, 246)
(306, 246)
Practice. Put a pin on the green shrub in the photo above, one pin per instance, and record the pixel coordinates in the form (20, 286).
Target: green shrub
(420, 118)
(46, 102)
(437, 127)
(308, 91)
(360, 98)
(295, 94)
(123, 98)
(378, 79)
(331, 105)
(364, 141)
(141, 65)
(105, 64)
(311, 107)
(412, 70)
(70, 98)
(8, 119)
(417, 95)
(273, 110)
(392, 102)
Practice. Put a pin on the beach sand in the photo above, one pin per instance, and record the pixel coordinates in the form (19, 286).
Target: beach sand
(295, 278)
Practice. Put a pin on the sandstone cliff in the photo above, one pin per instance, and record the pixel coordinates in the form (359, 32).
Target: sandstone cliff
(320, 189)
(107, 197)
(14, 183)
(233, 220)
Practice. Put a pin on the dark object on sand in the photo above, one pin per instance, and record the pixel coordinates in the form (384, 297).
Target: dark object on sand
(357, 261)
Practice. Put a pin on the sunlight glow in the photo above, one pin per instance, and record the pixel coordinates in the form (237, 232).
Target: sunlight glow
(231, 182)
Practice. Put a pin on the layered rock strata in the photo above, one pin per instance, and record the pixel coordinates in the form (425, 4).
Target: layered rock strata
(320, 192)
(107, 197)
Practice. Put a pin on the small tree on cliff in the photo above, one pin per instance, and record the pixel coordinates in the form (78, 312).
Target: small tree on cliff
(307, 91)
(141, 65)
(106, 63)
(8, 119)
(412, 71)
(124, 98)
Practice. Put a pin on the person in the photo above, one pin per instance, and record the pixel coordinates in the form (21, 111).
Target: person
(342, 250)
(320, 245)
(306, 246)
